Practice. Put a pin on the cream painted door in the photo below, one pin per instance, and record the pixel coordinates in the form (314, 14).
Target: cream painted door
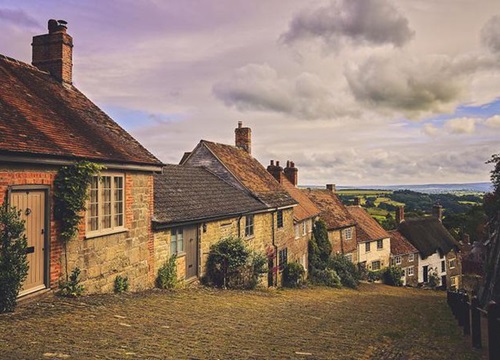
(32, 206)
(191, 248)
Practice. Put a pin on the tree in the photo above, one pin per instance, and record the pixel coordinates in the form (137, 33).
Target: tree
(323, 245)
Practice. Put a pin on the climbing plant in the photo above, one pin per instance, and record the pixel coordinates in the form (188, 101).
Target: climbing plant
(70, 193)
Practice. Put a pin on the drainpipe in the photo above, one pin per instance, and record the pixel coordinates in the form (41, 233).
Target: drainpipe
(275, 247)
(239, 225)
(341, 241)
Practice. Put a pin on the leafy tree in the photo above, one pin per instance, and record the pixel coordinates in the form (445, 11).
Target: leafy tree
(13, 259)
(320, 236)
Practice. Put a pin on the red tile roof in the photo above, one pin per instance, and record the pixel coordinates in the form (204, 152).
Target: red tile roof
(400, 245)
(305, 208)
(367, 228)
(41, 117)
(333, 212)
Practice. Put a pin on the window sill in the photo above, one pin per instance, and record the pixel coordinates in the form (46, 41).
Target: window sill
(249, 237)
(92, 235)
(180, 254)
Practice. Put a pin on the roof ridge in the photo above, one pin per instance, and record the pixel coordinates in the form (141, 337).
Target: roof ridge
(22, 63)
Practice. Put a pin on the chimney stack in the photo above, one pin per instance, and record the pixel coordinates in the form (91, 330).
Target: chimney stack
(53, 52)
(331, 187)
(243, 137)
(275, 170)
(292, 173)
(400, 215)
(437, 211)
(357, 201)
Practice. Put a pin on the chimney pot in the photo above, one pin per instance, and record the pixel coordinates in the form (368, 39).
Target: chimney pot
(272, 163)
(437, 211)
(357, 201)
(400, 215)
(243, 137)
(275, 170)
(331, 187)
(291, 173)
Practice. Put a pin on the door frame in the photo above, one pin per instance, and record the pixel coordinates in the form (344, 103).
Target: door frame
(46, 215)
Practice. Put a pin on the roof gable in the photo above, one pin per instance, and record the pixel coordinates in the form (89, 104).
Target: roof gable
(333, 212)
(42, 117)
(306, 208)
(400, 245)
(367, 228)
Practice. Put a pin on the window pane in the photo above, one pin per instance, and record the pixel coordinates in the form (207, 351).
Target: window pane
(180, 241)
(93, 209)
(173, 242)
(106, 202)
(118, 201)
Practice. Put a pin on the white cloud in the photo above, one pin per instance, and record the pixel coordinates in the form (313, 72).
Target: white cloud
(490, 34)
(430, 129)
(493, 122)
(461, 125)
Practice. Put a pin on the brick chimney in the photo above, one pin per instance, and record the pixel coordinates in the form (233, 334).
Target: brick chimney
(400, 214)
(331, 187)
(243, 137)
(275, 170)
(437, 211)
(357, 201)
(291, 172)
(53, 52)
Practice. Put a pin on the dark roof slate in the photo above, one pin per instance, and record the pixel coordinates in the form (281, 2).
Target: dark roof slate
(185, 193)
(40, 116)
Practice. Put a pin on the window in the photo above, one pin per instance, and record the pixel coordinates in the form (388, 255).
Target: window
(443, 266)
(411, 271)
(380, 244)
(283, 258)
(304, 228)
(279, 218)
(297, 231)
(176, 241)
(367, 247)
(310, 226)
(348, 233)
(348, 257)
(375, 265)
(397, 260)
(106, 204)
(249, 225)
(403, 272)
(411, 257)
(452, 263)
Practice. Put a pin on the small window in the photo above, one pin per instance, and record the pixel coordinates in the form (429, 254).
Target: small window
(410, 271)
(279, 218)
(249, 225)
(348, 233)
(176, 241)
(403, 272)
(348, 257)
(283, 258)
(367, 246)
(310, 226)
(380, 244)
(297, 231)
(304, 228)
(411, 257)
(452, 263)
(398, 260)
(443, 266)
(375, 265)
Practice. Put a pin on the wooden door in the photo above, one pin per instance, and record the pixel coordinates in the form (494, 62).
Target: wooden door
(191, 247)
(426, 273)
(32, 206)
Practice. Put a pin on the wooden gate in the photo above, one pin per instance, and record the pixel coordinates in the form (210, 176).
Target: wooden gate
(32, 205)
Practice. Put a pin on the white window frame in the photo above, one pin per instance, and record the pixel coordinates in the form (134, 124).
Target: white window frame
(381, 242)
(348, 233)
(249, 226)
(379, 263)
(304, 227)
(177, 237)
(348, 257)
(117, 219)
(367, 247)
(397, 259)
(297, 230)
(280, 220)
(454, 262)
(410, 271)
(411, 257)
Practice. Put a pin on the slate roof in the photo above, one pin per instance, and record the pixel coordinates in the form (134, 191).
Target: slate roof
(333, 212)
(305, 209)
(428, 235)
(367, 228)
(400, 245)
(251, 174)
(186, 193)
(40, 116)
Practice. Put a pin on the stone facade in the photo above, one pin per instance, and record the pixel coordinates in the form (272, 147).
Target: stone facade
(410, 268)
(454, 270)
(374, 254)
(342, 245)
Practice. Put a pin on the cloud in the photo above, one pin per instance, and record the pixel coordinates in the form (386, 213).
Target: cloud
(19, 17)
(490, 34)
(430, 129)
(493, 122)
(258, 87)
(461, 125)
(375, 22)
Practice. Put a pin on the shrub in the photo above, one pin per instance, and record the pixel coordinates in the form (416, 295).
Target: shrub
(314, 261)
(374, 275)
(167, 274)
(392, 276)
(320, 235)
(13, 259)
(231, 265)
(325, 277)
(433, 279)
(72, 287)
(346, 270)
(293, 275)
(121, 284)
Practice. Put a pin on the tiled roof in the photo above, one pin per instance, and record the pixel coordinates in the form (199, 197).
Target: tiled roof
(185, 193)
(251, 174)
(367, 228)
(427, 235)
(305, 208)
(41, 117)
(400, 245)
(333, 212)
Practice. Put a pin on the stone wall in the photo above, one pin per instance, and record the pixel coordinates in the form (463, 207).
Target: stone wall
(382, 255)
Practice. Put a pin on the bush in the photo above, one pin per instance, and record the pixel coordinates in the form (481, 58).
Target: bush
(13, 259)
(167, 274)
(433, 279)
(392, 276)
(375, 275)
(314, 261)
(231, 265)
(320, 235)
(72, 287)
(121, 284)
(345, 269)
(293, 275)
(325, 277)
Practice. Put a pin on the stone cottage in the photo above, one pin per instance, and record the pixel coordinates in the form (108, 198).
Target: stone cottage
(404, 256)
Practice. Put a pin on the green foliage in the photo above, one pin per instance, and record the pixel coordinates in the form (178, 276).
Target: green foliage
(471, 222)
(433, 279)
(374, 275)
(346, 270)
(314, 261)
(392, 276)
(323, 248)
(70, 194)
(325, 277)
(492, 200)
(293, 275)
(72, 287)
(167, 274)
(13, 259)
(121, 284)
(231, 265)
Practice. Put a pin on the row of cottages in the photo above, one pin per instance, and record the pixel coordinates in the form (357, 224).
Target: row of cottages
(46, 123)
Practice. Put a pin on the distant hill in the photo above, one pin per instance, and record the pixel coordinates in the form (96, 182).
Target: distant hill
(480, 187)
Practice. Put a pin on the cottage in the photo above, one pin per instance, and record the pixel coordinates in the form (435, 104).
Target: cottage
(194, 209)
(438, 250)
(373, 242)
(272, 232)
(47, 123)
(404, 256)
(340, 224)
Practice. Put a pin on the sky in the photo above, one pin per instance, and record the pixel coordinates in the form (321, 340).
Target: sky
(355, 92)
